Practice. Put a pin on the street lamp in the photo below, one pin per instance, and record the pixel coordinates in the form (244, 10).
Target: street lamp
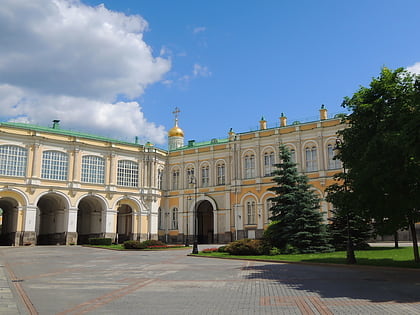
(187, 241)
(350, 257)
(193, 180)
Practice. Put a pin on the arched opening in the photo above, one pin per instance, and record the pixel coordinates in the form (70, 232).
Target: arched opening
(205, 229)
(9, 216)
(89, 219)
(124, 223)
(51, 227)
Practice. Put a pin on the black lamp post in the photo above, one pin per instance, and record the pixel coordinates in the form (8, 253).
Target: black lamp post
(195, 243)
(350, 257)
(187, 241)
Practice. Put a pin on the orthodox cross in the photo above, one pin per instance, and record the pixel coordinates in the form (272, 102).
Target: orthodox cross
(176, 113)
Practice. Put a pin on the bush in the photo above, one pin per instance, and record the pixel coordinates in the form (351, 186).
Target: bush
(222, 249)
(148, 243)
(100, 241)
(246, 247)
(134, 245)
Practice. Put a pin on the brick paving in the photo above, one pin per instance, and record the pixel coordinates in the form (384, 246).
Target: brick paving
(76, 280)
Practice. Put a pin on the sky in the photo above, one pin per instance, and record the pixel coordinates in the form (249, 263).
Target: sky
(119, 68)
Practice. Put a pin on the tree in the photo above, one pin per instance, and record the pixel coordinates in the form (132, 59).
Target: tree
(297, 219)
(381, 149)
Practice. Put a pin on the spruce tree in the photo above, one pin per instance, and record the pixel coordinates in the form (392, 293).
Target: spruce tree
(297, 222)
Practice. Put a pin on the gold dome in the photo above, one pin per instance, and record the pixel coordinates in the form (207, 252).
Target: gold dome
(176, 132)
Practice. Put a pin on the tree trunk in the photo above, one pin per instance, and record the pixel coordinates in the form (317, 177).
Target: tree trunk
(350, 257)
(415, 244)
(396, 239)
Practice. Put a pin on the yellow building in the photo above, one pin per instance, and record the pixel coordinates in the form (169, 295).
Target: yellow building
(63, 187)
(225, 181)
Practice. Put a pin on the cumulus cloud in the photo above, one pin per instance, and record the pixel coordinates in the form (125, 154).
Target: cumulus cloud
(66, 60)
(414, 68)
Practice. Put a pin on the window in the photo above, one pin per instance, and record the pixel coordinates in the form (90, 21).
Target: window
(175, 179)
(160, 179)
(221, 179)
(174, 221)
(332, 164)
(190, 176)
(268, 205)
(54, 165)
(127, 173)
(12, 160)
(268, 163)
(249, 166)
(311, 159)
(293, 155)
(250, 212)
(205, 176)
(160, 219)
(93, 169)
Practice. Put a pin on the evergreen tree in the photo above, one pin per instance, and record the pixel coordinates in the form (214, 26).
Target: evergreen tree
(297, 221)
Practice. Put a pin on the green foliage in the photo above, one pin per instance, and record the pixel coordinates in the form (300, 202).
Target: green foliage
(222, 249)
(381, 149)
(245, 247)
(134, 245)
(296, 215)
(100, 241)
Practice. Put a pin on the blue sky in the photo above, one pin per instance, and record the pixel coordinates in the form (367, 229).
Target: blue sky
(223, 63)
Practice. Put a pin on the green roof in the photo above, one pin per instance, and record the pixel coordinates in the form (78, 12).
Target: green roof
(64, 132)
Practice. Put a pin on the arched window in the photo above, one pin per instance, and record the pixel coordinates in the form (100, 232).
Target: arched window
(268, 205)
(205, 179)
(174, 219)
(127, 173)
(221, 177)
(249, 165)
(175, 179)
(332, 163)
(268, 163)
(311, 159)
(54, 165)
(12, 160)
(93, 169)
(293, 155)
(251, 212)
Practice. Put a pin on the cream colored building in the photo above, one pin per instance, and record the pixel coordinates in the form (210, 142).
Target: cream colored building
(63, 187)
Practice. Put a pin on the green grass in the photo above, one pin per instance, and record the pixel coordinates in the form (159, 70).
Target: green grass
(376, 256)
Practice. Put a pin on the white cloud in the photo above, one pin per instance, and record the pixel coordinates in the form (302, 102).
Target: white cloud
(199, 29)
(62, 59)
(414, 68)
(201, 71)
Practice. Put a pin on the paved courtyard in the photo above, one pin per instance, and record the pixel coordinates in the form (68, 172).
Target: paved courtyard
(77, 280)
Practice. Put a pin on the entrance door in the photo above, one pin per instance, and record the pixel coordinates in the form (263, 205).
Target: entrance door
(205, 223)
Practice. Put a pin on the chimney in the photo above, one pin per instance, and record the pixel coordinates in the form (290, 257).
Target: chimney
(283, 120)
(56, 124)
(263, 123)
(323, 112)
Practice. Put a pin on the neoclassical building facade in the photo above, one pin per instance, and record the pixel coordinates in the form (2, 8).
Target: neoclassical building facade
(64, 187)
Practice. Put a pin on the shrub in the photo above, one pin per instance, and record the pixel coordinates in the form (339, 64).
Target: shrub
(134, 245)
(222, 249)
(148, 243)
(246, 247)
(100, 241)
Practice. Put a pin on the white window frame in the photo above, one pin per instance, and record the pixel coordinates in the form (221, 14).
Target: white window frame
(93, 169)
(249, 166)
(55, 165)
(269, 163)
(205, 175)
(13, 160)
(221, 174)
(311, 159)
(251, 212)
(127, 173)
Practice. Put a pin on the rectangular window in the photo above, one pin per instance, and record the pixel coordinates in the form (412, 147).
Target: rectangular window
(54, 165)
(93, 169)
(12, 160)
(250, 209)
(332, 163)
(221, 174)
(205, 176)
(127, 173)
(174, 223)
(311, 159)
(250, 166)
(175, 179)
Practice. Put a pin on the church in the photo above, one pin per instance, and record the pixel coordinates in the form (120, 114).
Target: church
(64, 187)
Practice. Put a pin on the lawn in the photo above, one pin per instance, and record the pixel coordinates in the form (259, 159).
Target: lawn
(375, 256)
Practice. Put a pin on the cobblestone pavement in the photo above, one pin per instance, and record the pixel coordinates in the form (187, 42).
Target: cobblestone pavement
(78, 280)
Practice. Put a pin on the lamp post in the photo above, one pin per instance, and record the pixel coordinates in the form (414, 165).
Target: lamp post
(193, 180)
(187, 241)
(350, 257)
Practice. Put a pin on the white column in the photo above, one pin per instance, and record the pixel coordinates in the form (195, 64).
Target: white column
(72, 219)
